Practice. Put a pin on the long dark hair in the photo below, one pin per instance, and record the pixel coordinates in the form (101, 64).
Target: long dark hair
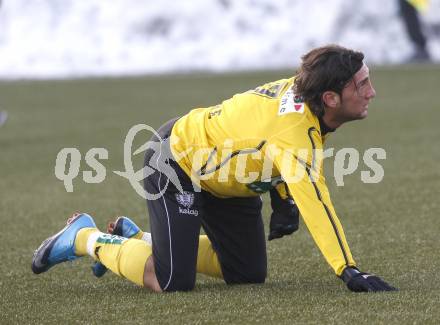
(327, 68)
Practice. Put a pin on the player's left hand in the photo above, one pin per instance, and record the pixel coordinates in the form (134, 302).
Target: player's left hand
(357, 281)
(285, 216)
(281, 225)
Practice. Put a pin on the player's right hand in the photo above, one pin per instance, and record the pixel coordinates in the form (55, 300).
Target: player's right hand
(357, 281)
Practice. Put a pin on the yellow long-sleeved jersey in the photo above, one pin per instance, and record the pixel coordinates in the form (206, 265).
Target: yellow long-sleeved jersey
(253, 141)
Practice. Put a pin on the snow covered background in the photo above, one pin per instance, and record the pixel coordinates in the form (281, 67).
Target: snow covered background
(74, 38)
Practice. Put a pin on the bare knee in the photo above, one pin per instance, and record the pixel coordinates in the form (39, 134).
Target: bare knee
(185, 283)
(150, 279)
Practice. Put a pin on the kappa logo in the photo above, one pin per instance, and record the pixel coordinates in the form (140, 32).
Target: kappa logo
(186, 199)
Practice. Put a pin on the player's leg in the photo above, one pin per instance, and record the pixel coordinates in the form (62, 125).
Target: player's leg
(235, 228)
(207, 261)
(170, 264)
(174, 217)
(124, 227)
(175, 239)
(125, 257)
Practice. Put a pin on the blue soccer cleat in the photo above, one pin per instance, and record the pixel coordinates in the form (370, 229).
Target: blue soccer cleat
(124, 227)
(61, 246)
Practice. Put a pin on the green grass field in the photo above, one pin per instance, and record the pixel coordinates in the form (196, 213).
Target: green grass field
(392, 227)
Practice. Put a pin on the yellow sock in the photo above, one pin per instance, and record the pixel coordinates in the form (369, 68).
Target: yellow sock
(207, 260)
(81, 240)
(125, 257)
(139, 235)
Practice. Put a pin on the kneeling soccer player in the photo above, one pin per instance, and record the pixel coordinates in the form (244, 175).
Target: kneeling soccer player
(209, 170)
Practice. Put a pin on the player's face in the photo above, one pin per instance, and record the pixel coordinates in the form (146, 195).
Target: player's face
(356, 96)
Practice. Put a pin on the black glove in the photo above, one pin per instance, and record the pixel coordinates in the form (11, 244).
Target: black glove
(285, 216)
(364, 282)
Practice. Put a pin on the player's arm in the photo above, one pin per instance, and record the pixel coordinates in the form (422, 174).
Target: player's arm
(317, 211)
(314, 203)
(308, 187)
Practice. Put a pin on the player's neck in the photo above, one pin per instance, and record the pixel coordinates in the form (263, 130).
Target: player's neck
(324, 127)
(331, 122)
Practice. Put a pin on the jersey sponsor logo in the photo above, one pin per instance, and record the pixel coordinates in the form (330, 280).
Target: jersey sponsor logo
(290, 104)
(186, 199)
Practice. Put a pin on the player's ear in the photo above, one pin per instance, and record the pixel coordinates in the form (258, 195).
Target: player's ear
(331, 99)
